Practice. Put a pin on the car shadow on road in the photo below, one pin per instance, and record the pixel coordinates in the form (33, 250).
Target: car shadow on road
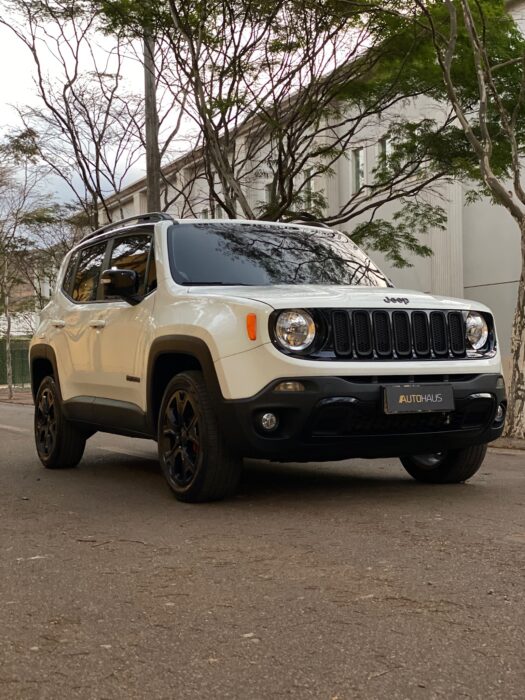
(358, 479)
(263, 482)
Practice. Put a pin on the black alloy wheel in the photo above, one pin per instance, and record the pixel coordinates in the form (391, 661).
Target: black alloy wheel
(59, 443)
(195, 460)
(45, 423)
(181, 438)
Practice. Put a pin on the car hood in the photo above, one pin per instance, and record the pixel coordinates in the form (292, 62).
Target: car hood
(338, 296)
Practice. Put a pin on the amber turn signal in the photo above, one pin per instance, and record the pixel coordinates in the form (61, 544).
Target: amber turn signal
(251, 326)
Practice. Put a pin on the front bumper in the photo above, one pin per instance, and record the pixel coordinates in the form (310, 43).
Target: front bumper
(342, 417)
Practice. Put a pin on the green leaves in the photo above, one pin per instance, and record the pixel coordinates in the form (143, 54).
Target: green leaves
(409, 224)
(20, 146)
(227, 54)
(132, 17)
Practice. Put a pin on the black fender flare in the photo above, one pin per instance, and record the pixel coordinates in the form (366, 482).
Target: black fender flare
(181, 345)
(42, 351)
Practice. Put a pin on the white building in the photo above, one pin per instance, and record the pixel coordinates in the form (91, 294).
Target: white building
(477, 257)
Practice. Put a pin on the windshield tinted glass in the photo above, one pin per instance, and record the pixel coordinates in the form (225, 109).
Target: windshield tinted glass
(252, 254)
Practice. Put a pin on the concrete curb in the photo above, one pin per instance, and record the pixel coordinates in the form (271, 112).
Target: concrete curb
(509, 443)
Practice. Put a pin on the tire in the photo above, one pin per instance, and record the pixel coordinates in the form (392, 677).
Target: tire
(59, 443)
(451, 467)
(192, 453)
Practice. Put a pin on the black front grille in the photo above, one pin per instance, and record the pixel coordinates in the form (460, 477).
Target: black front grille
(402, 334)
(421, 333)
(364, 346)
(456, 327)
(342, 333)
(406, 378)
(438, 332)
(381, 334)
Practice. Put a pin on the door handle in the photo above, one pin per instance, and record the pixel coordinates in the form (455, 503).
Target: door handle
(57, 323)
(99, 323)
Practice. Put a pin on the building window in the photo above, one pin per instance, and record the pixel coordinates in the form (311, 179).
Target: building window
(205, 214)
(358, 169)
(385, 148)
(308, 188)
(268, 193)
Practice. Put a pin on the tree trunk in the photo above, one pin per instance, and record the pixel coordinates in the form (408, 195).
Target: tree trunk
(152, 126)
(515, 426)
(8, 362)
(7, 313)
(95, 208)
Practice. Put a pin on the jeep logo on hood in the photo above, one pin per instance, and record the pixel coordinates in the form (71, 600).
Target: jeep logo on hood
(396, 300)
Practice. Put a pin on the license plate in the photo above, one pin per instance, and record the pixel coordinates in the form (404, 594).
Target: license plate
(418, 398)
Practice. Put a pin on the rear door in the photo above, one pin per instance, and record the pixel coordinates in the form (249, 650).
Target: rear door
(80, 368)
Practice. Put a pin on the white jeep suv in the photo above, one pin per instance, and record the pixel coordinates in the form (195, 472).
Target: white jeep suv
(229, 339)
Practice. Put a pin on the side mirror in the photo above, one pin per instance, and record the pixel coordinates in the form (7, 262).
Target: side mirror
(121, 283)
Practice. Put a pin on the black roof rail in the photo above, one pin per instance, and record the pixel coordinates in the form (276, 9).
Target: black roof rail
(310, 222)
(139, 218)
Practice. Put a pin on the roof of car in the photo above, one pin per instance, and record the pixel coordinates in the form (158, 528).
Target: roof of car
(155, 217)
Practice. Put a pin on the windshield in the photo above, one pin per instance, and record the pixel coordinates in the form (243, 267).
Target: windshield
(234, 253)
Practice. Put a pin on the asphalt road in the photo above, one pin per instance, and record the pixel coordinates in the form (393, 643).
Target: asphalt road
(335, 581)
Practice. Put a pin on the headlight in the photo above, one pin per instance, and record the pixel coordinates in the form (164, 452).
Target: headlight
(477, 330)
(295, 330)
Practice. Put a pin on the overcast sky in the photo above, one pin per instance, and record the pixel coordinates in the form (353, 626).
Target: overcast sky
(17, 68)
(17, 88)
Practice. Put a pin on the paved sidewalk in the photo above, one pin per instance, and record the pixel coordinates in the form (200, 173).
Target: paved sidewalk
(509, 443)
(22, 397)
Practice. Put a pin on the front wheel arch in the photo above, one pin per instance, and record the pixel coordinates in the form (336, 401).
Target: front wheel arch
(169, 356)
(43, 363)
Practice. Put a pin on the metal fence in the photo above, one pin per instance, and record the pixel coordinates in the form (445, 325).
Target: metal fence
(19, 360)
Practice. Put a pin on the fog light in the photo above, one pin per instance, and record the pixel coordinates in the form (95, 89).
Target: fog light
(269, 421)
(290, 386)
(500, 414)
